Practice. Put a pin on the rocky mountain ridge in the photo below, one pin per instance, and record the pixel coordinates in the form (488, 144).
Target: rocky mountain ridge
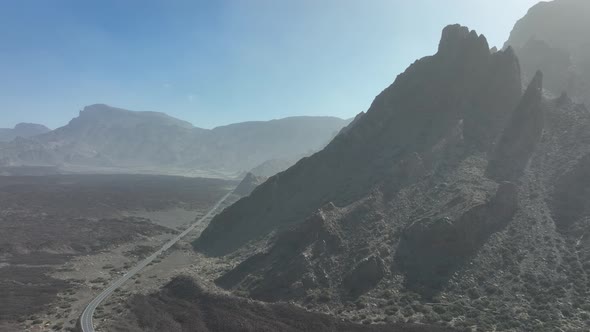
(457, 199)
(108, 137)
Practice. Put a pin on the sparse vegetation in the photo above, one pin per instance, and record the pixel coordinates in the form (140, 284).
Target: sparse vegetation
(43, 216)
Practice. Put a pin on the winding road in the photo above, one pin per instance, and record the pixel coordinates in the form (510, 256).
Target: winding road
(86, 318)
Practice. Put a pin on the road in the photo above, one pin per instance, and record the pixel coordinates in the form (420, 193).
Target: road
(86, 318)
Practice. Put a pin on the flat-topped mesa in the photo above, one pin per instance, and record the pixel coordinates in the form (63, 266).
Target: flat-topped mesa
(22, 130)
(109, 115)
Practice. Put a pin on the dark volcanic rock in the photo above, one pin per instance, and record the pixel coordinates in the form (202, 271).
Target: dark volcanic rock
(365, 275)
(287, 266)
(171, 310)
(432, 248)
(423, 224)
(418, 114)
(522, 135)
(571, 198)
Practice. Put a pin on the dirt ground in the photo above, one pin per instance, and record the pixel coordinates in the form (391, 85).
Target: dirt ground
(181, 259)
(64, 238)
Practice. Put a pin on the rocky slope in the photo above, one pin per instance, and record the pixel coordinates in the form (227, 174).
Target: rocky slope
(274, 166)
(22, 130)
(462, 93)
(553, 37)
(104, 136)
(457, 199)
(182, 305)
(248, 184)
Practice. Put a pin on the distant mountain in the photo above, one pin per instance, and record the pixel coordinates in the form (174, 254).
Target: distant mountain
(108, 137)
(209, 312)
(457, 199)
(553, 38)
(22, 130)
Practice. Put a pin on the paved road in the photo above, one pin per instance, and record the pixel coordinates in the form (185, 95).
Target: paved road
(86, 318)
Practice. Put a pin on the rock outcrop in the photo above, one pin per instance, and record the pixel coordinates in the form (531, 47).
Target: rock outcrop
(418, 115)
(431, 249)
(287, 268)
(455, 199)
(520, 138)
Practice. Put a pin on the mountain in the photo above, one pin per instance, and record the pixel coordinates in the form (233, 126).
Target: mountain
(248, 184)
(252, 143)
(108, 137)
(553, 37)
(274, 166)
(463, 82)
(22, 130)
(457, 199)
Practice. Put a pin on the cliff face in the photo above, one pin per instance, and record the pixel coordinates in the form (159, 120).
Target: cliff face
(455, 199)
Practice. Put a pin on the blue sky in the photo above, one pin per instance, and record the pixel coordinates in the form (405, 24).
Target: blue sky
(219, 62)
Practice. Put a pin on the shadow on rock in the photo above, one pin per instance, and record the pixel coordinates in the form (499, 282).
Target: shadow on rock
(431, 250)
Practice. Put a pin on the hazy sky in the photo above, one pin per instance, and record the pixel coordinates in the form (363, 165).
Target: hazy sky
(216, 62)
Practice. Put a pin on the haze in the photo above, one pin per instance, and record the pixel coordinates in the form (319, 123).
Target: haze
(219, 62)
(295, 166)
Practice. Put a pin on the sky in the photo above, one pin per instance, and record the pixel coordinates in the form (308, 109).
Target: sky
(218, 62)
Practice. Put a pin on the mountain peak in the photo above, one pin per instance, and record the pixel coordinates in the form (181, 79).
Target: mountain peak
(457, 38)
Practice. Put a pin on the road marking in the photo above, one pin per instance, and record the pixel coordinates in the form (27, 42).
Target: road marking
(86, 318)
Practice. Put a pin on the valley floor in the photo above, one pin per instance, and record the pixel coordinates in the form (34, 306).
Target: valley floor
(64, 237)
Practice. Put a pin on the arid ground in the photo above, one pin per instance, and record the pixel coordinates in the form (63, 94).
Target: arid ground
(64, 237)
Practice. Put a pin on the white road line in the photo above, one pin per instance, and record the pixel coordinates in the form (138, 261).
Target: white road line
(86, 318)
